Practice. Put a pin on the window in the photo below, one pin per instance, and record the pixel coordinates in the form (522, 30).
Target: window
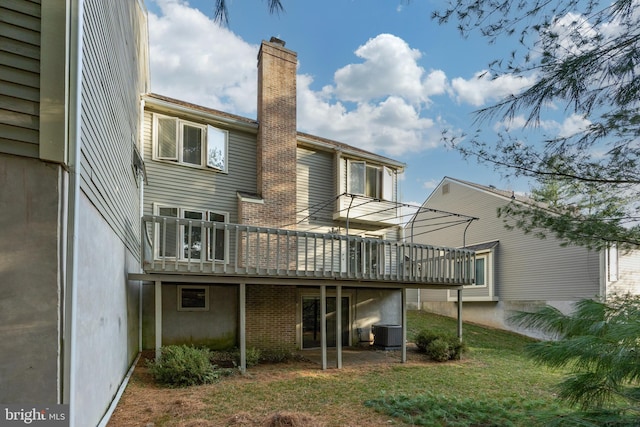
(189, 143)
(482, 269)
(190, 240)
(371, 181)
(612, 262)
(193, 298)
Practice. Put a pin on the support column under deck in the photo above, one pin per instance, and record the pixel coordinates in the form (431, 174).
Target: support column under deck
(158, 317)
(323, 325)
(243, 327)
(460, 314)
(339, 327)
(404, 325)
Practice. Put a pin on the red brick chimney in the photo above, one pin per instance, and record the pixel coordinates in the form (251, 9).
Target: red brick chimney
(277, 138)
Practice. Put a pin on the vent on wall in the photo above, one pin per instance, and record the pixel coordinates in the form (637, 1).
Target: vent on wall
(445, 189)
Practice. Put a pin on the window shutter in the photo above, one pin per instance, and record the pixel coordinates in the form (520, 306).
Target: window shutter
(217, 148)
(387, 184)
(167, 138)
(357, 177)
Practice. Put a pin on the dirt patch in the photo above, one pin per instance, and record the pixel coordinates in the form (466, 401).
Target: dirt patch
(279, 419)
(268, 395)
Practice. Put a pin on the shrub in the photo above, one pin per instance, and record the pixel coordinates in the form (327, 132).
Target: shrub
(182, 365)
(253, 356)
(424, 338)
(439, 350)
(439, 346)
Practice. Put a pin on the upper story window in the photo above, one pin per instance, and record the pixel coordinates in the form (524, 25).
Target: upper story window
(369, 180)
(190, 144)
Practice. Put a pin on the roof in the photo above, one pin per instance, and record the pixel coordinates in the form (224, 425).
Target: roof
(483, 246)
(507, 194)
(305, 138)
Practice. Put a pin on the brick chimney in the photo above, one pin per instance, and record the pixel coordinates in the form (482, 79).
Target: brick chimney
(277, 138)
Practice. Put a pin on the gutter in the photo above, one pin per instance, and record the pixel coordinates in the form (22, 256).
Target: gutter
(73, 202)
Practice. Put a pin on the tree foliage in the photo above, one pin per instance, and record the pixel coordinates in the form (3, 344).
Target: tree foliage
(221, 12)
(598, 342)
(583, 58)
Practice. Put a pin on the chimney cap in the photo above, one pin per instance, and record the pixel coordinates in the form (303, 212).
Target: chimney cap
(277, 41)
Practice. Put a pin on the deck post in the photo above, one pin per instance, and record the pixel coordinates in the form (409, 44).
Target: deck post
(158, 318)
(323, 325)
(243, 327)
(339, 326)
(404, 325)
(460, 314)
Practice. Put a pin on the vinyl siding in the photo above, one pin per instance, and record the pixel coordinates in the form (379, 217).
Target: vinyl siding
(315, 189)
(183, 186)
(316, 196)
(628, 274)
(19, 77)
(526, 268)
(111, 87)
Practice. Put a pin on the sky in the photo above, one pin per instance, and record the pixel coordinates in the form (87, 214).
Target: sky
(380, 75)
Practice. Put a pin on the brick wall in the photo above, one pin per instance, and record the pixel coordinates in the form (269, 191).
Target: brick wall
(277, 139)
(271, 317)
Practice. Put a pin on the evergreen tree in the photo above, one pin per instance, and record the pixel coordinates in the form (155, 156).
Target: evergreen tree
(598, 342)
(583, 57)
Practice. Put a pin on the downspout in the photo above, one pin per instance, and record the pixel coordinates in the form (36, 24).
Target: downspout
(71, 281)
(141, 180)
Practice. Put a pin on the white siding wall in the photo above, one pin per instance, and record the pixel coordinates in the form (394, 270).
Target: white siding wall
(106, 334)
(628, 280)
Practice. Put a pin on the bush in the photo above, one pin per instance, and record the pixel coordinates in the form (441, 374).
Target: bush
(182, 365)
(253, 356)
(438, 346)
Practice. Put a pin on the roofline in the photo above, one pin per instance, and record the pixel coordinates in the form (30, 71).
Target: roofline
(203, 112)
(331, 145)
(251, 125)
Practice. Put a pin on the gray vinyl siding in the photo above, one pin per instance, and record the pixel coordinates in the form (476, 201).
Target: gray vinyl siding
(110, 111)
(170, 184)
(316, 198)
(315, 188)
(526, 268)
(19, 77)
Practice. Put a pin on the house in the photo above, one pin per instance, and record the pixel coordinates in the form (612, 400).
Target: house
(129, 223)
(71, 75)
(258, 235)
(513, 270)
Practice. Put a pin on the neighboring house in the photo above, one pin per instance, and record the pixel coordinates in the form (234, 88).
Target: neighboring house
(258, 235)
(71, 75)
(513, 270)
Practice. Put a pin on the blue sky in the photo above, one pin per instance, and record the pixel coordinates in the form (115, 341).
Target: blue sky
(376, 74)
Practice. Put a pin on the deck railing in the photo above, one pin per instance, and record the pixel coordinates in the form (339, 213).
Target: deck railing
(174, 245)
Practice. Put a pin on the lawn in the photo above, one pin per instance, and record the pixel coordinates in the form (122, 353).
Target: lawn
(493, 371)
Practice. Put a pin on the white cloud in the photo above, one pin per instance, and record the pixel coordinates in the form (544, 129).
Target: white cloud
(482, 87)
(431, 184)
(390, 68)
(573, 125)
(195, 60)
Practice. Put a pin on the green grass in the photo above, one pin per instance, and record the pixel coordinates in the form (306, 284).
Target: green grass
(494, 380)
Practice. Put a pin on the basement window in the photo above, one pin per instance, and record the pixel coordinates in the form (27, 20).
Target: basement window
(193, 298)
